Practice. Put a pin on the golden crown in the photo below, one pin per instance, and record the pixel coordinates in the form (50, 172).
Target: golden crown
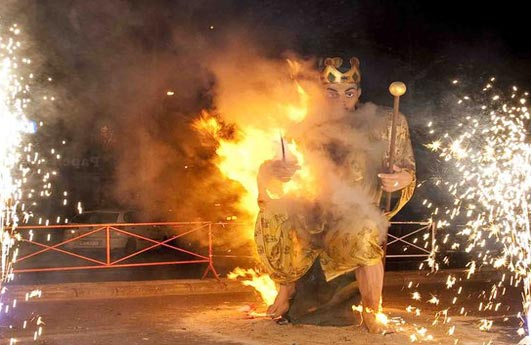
(332, 75)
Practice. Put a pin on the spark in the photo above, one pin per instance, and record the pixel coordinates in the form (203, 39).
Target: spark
(489, 177)
(433, 300)
(25, 174)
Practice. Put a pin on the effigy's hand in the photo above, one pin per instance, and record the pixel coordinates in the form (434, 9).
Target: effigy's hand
(283, 170)
(271, 175)
(398, 180)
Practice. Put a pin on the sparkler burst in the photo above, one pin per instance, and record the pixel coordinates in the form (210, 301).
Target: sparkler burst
(25, 174)
(489, 181)
(13, 126)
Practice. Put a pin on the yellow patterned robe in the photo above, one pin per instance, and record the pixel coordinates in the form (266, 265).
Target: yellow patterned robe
(287, 256)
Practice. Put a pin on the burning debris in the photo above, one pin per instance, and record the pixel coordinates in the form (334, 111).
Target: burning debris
(259, 281)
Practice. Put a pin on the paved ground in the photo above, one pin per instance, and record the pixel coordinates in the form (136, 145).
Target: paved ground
(217, 318)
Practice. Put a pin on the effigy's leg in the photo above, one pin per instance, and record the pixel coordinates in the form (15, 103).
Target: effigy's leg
(283, 256)
(358, 249)
(370, 283)
(281, 304)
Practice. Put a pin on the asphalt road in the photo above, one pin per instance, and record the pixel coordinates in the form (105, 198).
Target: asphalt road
(154, 320)
(212, 319)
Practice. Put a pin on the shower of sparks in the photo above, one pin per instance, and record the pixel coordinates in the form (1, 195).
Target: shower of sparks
(26, 175)
(13, 127)
(489, 180)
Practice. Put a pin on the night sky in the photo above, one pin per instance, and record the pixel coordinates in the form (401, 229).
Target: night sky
(415, 41)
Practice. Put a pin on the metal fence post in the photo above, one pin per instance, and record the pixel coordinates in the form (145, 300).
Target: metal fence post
(108, 246)
(210, 256)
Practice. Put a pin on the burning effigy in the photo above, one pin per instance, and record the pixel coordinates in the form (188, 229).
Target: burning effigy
(312, 161)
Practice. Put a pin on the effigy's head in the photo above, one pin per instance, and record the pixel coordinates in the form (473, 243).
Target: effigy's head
(341, 81)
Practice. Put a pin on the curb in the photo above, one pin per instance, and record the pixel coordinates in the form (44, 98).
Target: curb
(129, 289)
(132, 289)
(405, 277)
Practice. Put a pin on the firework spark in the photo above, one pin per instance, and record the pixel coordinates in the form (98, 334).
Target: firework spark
(489, 181)
(25, 174)
(13, 127)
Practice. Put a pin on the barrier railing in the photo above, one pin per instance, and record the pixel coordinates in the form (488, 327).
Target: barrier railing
(411, 247)
(112, 240)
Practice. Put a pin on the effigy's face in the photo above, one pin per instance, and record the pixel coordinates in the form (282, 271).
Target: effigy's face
(345, 94)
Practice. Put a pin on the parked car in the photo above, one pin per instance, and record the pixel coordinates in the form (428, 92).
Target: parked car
(118, 240)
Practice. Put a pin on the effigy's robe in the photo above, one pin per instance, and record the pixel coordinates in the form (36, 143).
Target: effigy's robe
(288, 242)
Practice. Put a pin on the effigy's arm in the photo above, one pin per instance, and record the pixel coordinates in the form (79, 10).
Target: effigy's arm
(405, 160)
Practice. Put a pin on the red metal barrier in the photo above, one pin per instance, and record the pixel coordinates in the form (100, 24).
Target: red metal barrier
(409, 244)
(124, 231)
(410, 247)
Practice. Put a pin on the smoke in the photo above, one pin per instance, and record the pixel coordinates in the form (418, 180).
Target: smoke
(344, 152)
(131, 78)
(336, 147)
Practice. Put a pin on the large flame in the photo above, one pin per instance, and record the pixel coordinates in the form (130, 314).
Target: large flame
(239, 158)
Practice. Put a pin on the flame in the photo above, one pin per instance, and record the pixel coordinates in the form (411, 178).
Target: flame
(239, 156)
(297, 113)
(240, 160)
(380, 316)
(243, 146)
(260, 282)
(303, 182)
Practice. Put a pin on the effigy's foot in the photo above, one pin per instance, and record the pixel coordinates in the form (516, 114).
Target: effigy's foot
(282, 301)
(371, 322)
